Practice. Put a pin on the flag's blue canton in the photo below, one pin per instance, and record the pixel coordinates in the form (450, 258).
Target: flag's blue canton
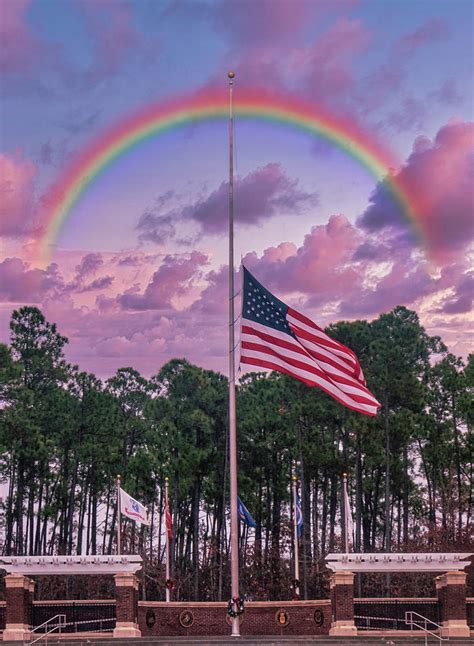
(261, 306)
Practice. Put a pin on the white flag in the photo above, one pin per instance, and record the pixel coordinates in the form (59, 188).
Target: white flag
(133, 509)
(348, 516)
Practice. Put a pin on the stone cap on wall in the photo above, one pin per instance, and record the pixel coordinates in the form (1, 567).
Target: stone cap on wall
(64, 565)
(398, 562)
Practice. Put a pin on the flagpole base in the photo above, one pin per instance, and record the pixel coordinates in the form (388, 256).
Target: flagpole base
(235, 627)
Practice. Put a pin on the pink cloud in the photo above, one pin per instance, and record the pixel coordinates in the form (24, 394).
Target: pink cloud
(321, 268)
(403, 285)
(440, 175)
(460, 301)
(89, 264)
(328, 62)
(175, 278)
(17, 183)
(327, 277)
(262, 194)
(21, 284)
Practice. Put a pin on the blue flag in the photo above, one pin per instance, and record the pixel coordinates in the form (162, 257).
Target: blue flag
(299, 516)
(244, 514)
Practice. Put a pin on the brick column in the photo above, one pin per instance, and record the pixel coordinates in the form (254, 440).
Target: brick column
(126, 595)
(342, 604)
(451, 593)
(19, 595)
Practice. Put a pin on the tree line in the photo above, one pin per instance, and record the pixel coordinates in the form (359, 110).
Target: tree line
(65, 435)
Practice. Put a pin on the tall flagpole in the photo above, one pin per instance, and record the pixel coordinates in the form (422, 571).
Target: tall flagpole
(167, 556)
(346, 514)
(119, 518)
(234, 544)
(295, 533)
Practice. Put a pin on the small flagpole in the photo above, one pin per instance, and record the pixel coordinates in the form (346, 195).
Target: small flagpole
(295, 532)
(234, 531)
(119, 517)
(346, 513)
(167, 546)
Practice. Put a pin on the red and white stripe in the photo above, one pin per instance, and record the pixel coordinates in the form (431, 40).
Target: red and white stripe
(313, 357)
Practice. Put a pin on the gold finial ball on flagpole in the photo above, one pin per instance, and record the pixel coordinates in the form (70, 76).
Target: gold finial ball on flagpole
(231, 75)
(344, 475)
(166, 479)
(294, 478)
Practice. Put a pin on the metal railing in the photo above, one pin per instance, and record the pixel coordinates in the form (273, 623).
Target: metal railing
(61, 621)
(421, 623)
(77, 612)
(393, 609)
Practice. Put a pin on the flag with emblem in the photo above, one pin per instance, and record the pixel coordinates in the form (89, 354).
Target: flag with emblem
(349, 523)
(299, 516)
(244, 515)
(133, 509)
(278, 337)
(168, 518)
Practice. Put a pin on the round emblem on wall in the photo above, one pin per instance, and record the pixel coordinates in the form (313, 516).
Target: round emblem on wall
(318, 617)
(186, 618)
(150, 618)
(282, 618)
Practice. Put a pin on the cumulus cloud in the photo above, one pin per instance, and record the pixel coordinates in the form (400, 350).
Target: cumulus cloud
(260, 195)
(175, 278)
(19, 283)
(99, 283)
(89, 264)
(404, 284)
(320, 268)
(439, 177)
(460, 302)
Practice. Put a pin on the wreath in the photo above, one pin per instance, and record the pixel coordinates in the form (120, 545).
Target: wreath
(239, 603)
(169, 585)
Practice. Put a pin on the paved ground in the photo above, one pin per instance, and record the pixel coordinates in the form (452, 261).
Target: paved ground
(361, 640)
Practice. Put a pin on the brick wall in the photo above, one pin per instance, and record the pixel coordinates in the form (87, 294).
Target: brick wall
(259, 618)
(342, 602)
(126, 603)
(18, 608)
(452, 602)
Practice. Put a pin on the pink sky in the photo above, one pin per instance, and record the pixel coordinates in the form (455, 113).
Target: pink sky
(138, 275)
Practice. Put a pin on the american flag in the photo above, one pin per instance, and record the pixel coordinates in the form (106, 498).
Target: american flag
(278, 337)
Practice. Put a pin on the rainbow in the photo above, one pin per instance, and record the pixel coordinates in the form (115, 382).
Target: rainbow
(156, 119)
